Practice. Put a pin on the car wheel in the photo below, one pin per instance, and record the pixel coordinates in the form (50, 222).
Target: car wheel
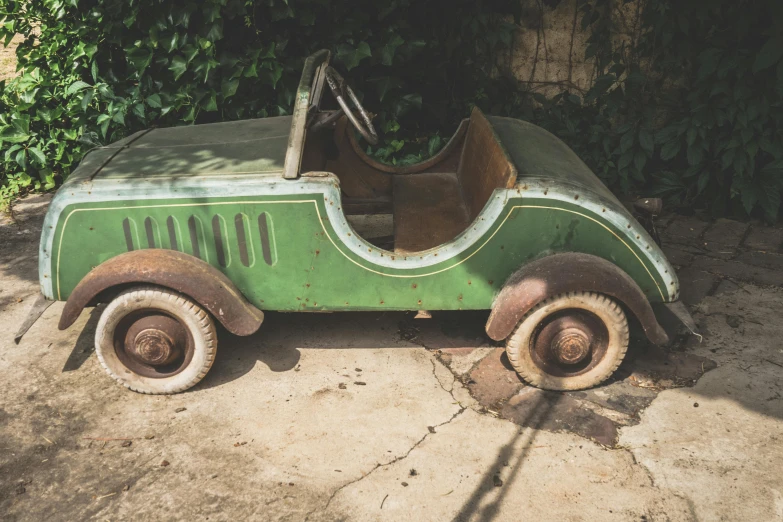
(572, 341)
(155, 341)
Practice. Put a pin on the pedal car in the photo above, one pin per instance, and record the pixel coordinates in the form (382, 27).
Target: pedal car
(176, 228)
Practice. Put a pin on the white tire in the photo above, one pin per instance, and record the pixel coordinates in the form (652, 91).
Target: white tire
(155, 341)
(572, 341)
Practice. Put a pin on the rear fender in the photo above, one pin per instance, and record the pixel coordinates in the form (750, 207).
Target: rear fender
(570, 272)
(170, 269)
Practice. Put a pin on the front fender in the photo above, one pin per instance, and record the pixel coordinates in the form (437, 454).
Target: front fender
(570, 272)
(174, 270)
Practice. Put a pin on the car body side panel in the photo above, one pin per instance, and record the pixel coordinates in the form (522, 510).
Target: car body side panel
(286, 246)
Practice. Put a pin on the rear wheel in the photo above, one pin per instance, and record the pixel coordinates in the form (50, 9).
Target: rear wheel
(571, 341)
(155, 341)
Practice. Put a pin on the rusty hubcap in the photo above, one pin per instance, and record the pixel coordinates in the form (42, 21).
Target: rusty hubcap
(153, 344)
(154, 347)
(569, 342)
(570, 345)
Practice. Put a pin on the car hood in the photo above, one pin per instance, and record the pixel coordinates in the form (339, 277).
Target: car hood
(241, 147)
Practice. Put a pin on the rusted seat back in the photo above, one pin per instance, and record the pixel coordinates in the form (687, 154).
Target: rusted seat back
(484, 165)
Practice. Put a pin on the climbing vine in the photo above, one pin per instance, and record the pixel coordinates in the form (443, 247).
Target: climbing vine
(685, 103)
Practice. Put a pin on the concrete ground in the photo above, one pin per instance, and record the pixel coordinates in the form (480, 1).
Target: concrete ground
(384, 417)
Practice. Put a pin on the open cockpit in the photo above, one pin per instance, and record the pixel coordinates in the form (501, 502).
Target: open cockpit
(417, 207)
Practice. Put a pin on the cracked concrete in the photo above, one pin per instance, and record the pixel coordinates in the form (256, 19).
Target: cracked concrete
(381, 417)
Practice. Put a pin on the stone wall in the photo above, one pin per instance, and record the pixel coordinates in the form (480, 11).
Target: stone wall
(549, 46)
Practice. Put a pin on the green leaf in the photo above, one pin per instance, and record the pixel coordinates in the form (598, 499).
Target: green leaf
(627, 140)
(646, 140)
(21, 158)
(350, 56)
(76, 87)
(153, 101)
(390, 127)
(210, 102)
(670, 150)
(119, 117)
(406, 103)
(770, 53)
(37, 155)
(749, 196)
(178, 66)
(139, 59)
(11, 150)
(170, 42)
(271, 73)
(215, 32)
(704, 179)
(138, 111)
(229, 87)
(625, 160)
(695, 155)
(87, 99)
(389, 48)
(434, 145)
(639, 160)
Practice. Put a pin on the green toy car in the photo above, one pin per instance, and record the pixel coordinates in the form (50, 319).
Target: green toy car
(178, 228)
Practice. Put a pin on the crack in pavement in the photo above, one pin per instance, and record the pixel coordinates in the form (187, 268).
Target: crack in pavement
(400, 457)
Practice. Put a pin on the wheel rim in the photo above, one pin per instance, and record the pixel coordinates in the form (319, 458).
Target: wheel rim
(153, 343)
(569, 342)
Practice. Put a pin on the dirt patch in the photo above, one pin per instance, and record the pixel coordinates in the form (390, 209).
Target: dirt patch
(8, 58)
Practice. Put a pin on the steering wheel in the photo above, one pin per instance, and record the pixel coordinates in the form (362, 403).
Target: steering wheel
(340, 89)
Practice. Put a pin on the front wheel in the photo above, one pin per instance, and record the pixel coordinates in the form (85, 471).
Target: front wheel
(572, 341)
(155, 341)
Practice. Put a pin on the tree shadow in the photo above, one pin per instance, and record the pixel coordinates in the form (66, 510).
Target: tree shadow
(508, 454)
(84, 346)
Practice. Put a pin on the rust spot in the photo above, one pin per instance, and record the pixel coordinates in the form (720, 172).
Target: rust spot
(491, 281)
(414, 285)
(470, 282)
(576, 197)
(317, 252)
(308, 285)
(171, 269)
(419, 301)
(381, 301)
(460, 297)
(307, 299)
(603, 210)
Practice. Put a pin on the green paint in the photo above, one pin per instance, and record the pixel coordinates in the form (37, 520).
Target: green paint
(310, 272)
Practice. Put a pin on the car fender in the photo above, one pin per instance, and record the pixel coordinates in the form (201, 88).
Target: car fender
(170, 269)
(568, 272)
